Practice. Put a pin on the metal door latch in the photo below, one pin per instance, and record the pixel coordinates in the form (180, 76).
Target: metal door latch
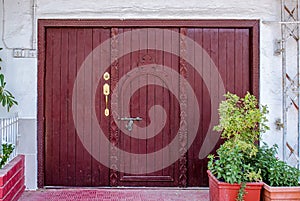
(130, 120)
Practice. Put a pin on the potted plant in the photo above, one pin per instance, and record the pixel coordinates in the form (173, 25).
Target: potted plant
(232, 173)
(281, 180)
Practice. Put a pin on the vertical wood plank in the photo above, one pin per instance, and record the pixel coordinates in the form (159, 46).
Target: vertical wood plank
(48, 108)
(192, 175)
(56, 107)
(174, 108)
(238, 62)
(151, 101)
(80, 166)
(125, 67)
(64, 99)
(105, 60)
(95, 140)
(167, 63)
(72, 136)
(230, 58)
(222, 54)
(159, 92)
(143, 93)
(206, 86)
(134, 107)
(246, 60)
(198, 167)
(88, 47)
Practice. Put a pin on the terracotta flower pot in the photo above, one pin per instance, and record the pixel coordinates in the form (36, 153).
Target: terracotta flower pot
(281, 193)
(222, 191)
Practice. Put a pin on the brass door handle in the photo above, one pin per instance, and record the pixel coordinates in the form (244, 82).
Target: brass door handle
(106, 89)
(106, 92)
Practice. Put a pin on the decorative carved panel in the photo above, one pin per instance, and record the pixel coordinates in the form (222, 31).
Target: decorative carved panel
(114, 132)
(183, 113)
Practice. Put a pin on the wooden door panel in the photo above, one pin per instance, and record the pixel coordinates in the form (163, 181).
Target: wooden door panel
(71, 132)
(229, 50)
(141, 103)
(67, 163)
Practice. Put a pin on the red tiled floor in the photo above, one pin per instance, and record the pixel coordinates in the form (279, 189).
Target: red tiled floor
(116, 195)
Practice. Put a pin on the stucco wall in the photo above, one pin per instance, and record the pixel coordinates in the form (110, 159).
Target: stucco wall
(21, 73)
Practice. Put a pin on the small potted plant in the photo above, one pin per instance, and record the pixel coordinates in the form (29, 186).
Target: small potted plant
(232, 173)
(281, 180)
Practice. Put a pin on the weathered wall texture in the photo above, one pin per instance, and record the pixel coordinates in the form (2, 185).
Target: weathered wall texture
(21, 73)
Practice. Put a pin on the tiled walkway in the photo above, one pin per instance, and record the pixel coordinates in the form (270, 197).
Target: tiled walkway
(116, 195)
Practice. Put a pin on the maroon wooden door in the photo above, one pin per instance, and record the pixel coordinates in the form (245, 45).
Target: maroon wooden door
(230, 49)
(141, 72)
(149, 74)
(67, 162)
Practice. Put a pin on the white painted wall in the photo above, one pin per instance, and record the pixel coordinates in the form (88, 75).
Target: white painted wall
(21, 73)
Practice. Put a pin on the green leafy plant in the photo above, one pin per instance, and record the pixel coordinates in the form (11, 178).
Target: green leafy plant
(6, 98)
(241, 118)
(241, 122)
(7, 149)
(274, 171)
(242, 191)
(233, 163)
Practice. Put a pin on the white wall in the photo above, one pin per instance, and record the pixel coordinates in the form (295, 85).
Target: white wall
(21, 73)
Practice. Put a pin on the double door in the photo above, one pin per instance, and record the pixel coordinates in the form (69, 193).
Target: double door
(127, 106)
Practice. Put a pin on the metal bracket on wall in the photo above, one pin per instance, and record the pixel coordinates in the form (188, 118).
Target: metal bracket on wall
(279, 125)
(277, 47)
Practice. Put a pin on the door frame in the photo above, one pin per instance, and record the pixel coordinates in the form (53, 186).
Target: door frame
(43, 24)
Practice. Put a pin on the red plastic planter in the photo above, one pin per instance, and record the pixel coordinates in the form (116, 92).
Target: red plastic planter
(221, 191)
(281, 193)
